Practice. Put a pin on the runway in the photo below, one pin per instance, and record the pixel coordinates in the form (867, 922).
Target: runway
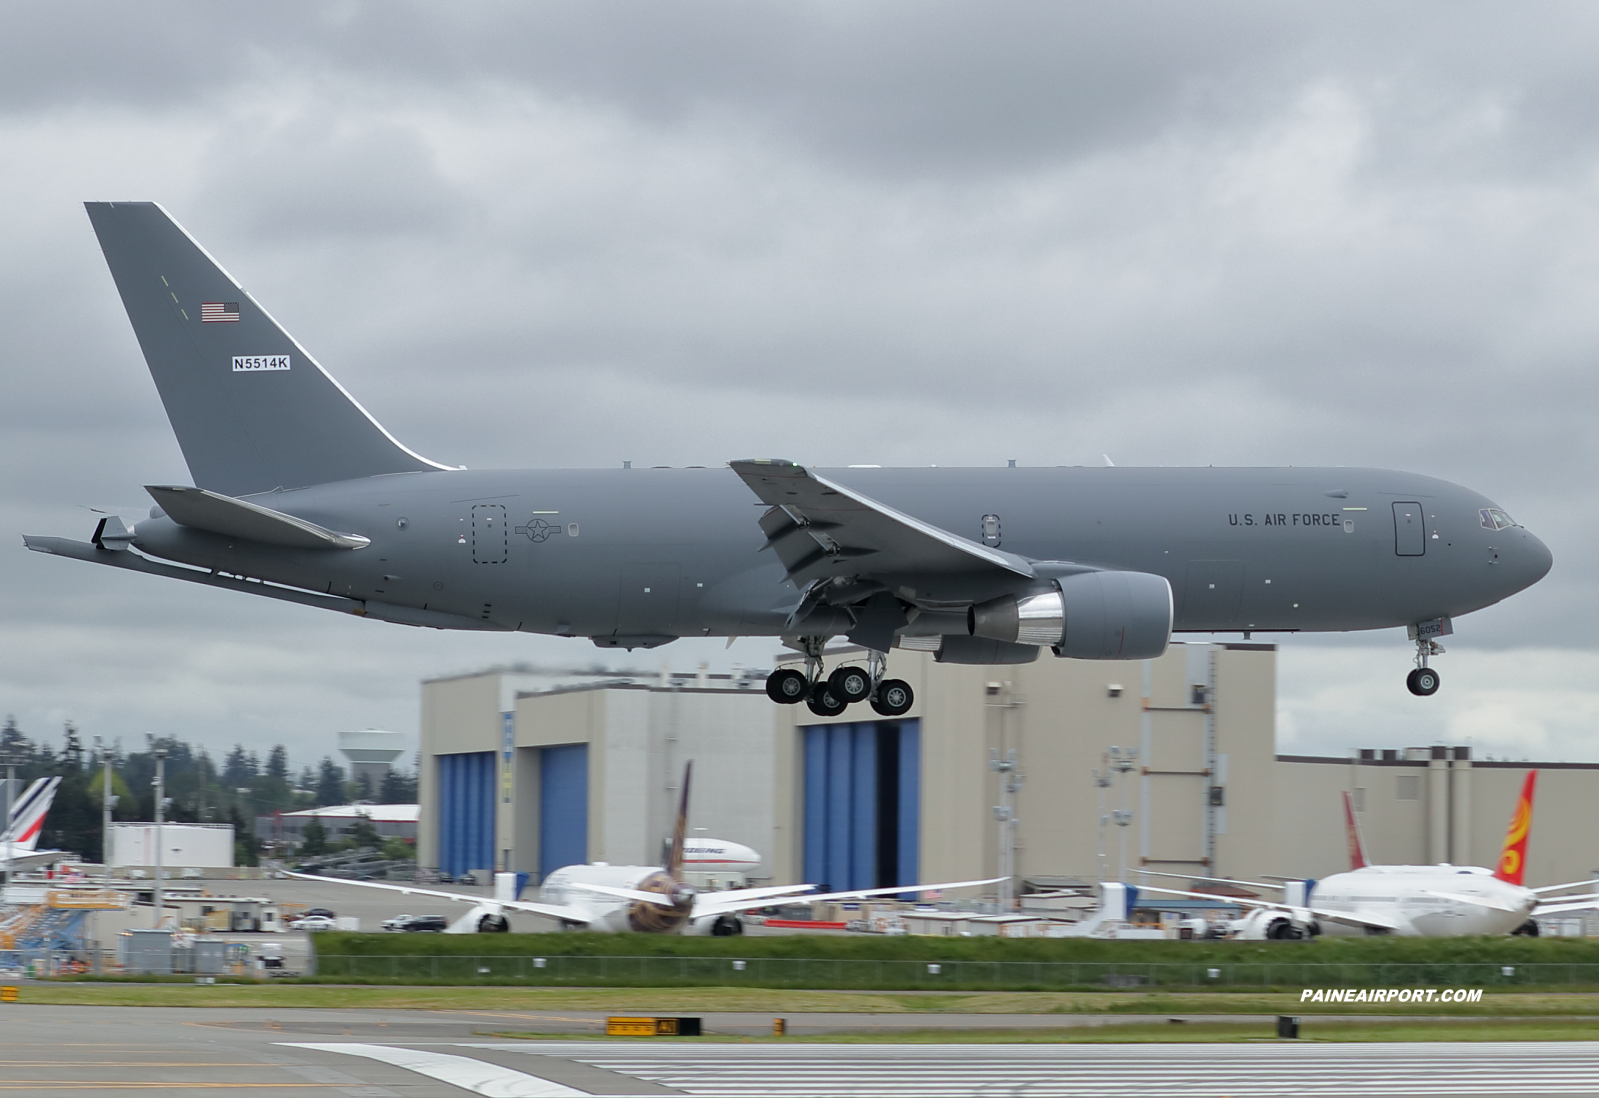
(422, 1054)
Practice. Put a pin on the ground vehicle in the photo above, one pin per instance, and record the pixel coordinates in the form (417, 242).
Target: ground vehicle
(326, 913)
(398, 922)
(430, 923)
(313, 923)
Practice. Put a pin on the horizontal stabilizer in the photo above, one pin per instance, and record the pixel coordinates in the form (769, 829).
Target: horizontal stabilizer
(199, 509)
(361, 608)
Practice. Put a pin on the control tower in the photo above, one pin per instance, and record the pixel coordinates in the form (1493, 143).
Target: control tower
(371, 754)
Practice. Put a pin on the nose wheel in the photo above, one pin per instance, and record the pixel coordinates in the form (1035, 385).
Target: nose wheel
(1422, 682)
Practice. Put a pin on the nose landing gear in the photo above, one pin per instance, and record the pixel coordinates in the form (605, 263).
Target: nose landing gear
(1423, 681)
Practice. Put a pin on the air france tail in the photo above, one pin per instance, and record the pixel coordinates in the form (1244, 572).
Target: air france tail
(251, 409)
(21, 835)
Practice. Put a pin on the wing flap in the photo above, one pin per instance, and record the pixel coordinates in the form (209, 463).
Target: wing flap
(820, 529)
(199, 509)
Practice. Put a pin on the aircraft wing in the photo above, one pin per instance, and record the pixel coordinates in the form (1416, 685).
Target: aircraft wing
(1567, 903)
(554, 911)
(1345, 918)
(764, 895)
(717, 906)
(1474, 900)
(820, 530)
(1589, 883)
(1213, 880)
(637, 896)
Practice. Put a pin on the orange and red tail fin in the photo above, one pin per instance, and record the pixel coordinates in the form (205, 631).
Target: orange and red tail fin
(1357, 847)
(1513, 858)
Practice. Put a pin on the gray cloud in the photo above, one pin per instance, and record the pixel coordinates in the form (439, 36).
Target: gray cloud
(897, 233)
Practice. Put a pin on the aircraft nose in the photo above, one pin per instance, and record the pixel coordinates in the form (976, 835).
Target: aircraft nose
(1530, 558)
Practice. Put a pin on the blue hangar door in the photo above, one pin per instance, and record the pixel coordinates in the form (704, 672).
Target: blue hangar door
(863, 803)
(563, 807)
(466, 812)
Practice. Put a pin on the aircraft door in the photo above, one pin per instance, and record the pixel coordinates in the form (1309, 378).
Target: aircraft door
(491, 541)
(1410, 530)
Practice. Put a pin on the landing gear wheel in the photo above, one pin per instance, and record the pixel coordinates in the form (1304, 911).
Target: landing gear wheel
(787, 686)
(1422, 682)
(822, 702)
(893, 697)
(849, 684)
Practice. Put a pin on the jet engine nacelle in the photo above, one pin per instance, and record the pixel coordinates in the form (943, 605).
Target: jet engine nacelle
(1089, 616)
(715, 926)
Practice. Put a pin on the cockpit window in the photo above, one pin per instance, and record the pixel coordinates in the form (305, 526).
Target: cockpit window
(1495, 519)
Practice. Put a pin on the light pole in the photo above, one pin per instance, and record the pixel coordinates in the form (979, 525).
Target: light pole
(160, 754)
(1010, 783)
(108, 801)
(1123, 761)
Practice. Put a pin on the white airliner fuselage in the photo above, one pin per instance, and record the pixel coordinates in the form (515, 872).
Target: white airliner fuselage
(1414, 901)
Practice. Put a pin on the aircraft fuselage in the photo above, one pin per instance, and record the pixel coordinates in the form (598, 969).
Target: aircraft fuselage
(661, 553)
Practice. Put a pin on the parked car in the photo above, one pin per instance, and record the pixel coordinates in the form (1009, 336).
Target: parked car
(398, 922)
(322, 911)
(430, 923)
(314, 922)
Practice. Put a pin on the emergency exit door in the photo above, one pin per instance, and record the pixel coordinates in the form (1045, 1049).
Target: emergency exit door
(1410, 530)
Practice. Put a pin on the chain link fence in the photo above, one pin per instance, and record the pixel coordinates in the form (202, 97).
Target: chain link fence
(785, 972)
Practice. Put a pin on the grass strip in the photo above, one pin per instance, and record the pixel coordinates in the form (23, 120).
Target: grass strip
(285, 995)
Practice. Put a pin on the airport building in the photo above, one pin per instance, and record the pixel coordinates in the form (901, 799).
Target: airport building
(1050, 772)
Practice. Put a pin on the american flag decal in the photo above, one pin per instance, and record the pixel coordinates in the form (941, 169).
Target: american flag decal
(219, 312)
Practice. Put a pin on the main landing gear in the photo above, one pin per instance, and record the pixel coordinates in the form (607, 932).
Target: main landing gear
(830, 696)
(1423, 681)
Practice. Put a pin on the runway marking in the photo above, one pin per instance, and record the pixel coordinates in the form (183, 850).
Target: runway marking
(81, 1084)
(490, 1080)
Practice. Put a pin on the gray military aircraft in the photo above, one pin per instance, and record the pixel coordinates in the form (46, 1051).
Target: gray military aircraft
(299, 494)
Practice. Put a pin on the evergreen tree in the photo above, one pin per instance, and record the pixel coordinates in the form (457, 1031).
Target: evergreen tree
(314, 839)
(399, 787)
(329, 782)
(278, 763)
(246, 848)
(364, 833)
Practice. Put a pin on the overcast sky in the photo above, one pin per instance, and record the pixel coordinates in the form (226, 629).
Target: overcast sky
(572, 234)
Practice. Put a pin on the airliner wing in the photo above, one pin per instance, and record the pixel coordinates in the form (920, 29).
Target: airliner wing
(1589, 883)
(820, 529)
(1474, 900)
(1567, 903)
(554, 911)
(1213, 880)
(715, 905)
(637, 896)
(1345, 918)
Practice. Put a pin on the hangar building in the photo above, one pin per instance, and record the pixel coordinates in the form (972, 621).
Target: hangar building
(532, 779)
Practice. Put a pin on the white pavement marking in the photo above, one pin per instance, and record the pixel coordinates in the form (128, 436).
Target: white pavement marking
(1082, 1071)
(490, 1080)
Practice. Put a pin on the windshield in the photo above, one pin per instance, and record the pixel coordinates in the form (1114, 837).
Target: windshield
(1495, 519)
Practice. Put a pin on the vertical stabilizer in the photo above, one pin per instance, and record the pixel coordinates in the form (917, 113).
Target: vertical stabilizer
(21, 835)
(1513, 858)
(251, 409)
(1357, 845)
(674, 856)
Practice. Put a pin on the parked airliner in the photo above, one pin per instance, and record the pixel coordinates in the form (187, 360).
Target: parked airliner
(644, 898)
(1415, 901)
